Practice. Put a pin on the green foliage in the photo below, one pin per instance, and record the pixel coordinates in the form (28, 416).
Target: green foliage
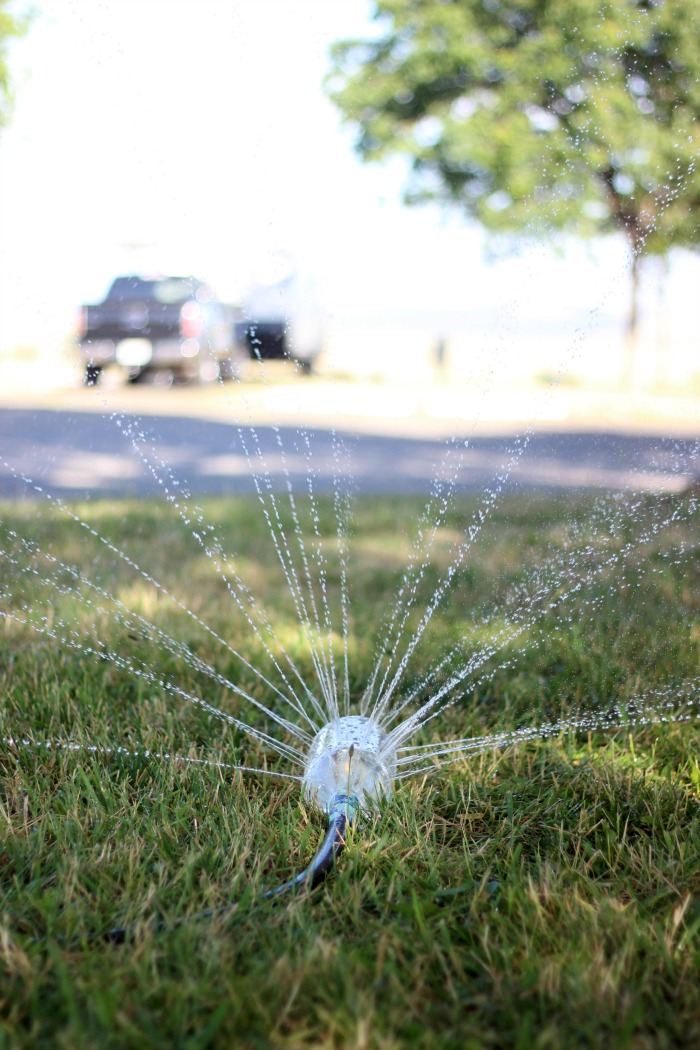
(11, 26)
(537, 115)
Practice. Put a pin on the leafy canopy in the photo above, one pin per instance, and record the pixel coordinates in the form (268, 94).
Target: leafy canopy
(11, 25)
(537, 115)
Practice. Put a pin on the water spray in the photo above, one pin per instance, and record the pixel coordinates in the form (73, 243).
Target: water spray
(346, 765)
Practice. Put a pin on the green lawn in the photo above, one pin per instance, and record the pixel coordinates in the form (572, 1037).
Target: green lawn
(540, 896)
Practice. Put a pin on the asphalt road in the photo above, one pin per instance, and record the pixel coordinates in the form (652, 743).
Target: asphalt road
(75, 454)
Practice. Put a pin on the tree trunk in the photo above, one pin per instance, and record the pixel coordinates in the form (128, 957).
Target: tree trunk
(631, 337)
(633, 318)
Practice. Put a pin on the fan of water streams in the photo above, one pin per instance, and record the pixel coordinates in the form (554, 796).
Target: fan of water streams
(341, 654)
(296, 694)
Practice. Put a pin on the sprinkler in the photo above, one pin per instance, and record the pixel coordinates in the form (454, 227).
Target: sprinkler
(350, 756)
(350, 768)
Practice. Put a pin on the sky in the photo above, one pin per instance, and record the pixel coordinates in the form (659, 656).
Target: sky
(195, 137)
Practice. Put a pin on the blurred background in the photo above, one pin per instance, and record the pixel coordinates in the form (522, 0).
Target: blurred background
(198, 139)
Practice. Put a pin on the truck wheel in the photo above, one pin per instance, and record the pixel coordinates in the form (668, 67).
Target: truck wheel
(92, 375)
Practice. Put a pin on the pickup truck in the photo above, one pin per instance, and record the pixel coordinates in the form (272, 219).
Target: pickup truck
(173, 327)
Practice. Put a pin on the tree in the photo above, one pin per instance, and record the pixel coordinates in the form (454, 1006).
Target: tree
(11, 25)
(538, 115)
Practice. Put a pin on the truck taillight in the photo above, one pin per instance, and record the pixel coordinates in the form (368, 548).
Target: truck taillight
(191, 320)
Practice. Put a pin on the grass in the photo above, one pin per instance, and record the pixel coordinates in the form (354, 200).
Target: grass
(540, 896)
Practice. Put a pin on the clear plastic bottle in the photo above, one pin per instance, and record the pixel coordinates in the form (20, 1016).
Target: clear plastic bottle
(350, 756)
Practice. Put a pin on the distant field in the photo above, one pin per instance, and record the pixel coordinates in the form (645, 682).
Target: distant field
(546, 895)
